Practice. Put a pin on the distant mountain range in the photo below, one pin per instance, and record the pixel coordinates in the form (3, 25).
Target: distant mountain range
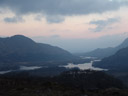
(106, 52)
(19, 48)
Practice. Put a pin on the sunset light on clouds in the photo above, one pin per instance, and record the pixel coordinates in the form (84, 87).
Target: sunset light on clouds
(64, 19)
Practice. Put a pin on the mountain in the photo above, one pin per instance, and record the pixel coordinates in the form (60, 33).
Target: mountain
(117, 64)
(118, 61)
(106, 52)
(19, 48)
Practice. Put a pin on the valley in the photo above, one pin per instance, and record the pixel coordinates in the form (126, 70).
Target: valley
(64, 69)
(63, 48)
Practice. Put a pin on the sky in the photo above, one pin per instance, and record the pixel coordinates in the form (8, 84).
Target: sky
(75, 25)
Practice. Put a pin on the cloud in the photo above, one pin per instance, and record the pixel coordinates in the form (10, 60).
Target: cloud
(13, 19)
(54, 19)
(102, 24)
(38, 17)
(61, 7)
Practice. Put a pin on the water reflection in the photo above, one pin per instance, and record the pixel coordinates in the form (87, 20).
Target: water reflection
(29, 68)
(85, 66)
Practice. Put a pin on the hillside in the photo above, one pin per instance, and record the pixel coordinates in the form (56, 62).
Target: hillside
(106, 52)
(70, 83)
(118, 61)
(19, 48)
(117, 65)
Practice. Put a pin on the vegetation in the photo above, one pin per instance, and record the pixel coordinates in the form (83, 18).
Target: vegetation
(70, 83)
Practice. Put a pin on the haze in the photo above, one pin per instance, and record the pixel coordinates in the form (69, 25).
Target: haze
(75, 25)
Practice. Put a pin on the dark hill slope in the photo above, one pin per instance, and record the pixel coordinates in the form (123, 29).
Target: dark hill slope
(118, 61)
(19, 48)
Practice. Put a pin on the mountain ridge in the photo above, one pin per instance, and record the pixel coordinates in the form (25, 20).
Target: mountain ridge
(19, 48)
(106, 52)
(118, 61)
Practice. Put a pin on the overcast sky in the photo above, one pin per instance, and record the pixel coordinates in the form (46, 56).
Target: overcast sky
(75, 25)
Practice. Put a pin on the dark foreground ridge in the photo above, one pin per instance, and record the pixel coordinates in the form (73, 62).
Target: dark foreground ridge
(70, 83)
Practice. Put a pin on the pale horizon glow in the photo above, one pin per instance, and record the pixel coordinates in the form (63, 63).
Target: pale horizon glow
(88, 26)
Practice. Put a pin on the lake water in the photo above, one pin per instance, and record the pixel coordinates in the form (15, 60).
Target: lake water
(22, 68)
(84, 66)
(29, 68)
(4, 72)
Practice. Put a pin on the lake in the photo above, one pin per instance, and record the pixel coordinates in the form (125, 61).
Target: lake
(22, 68)
(29, 68)
(85, 66)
